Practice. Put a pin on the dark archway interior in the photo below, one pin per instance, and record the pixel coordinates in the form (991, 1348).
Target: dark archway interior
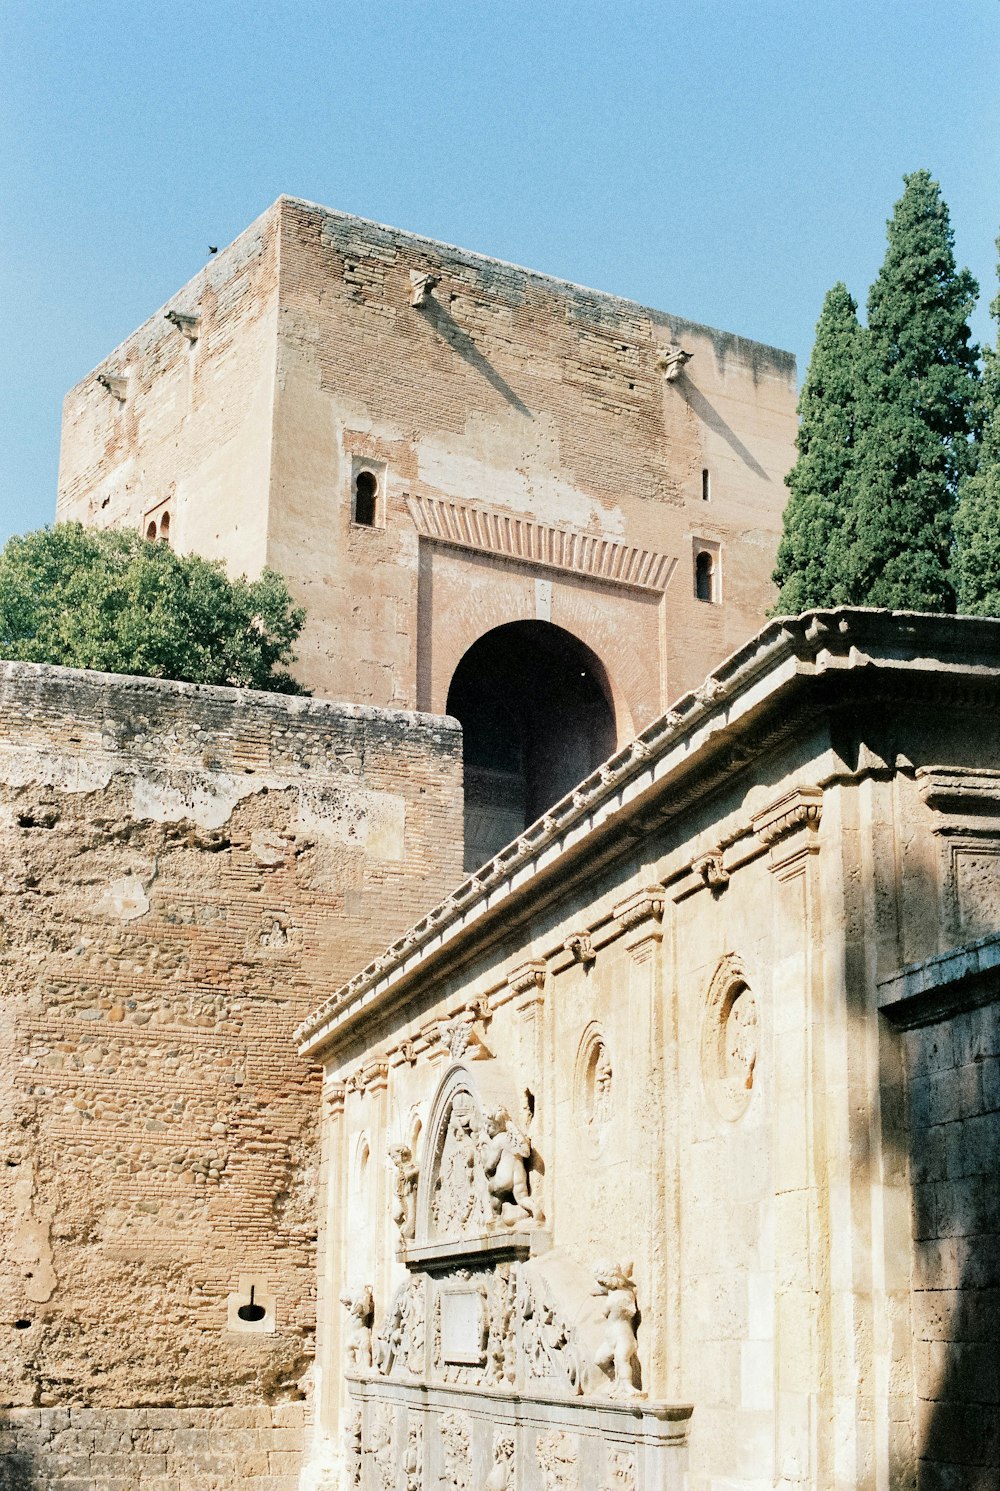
(535, 708)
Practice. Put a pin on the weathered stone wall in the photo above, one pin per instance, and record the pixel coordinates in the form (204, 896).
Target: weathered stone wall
(151, 1449)
(182, 868)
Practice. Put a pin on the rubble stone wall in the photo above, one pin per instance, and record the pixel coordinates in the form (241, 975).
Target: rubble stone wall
(183, 871)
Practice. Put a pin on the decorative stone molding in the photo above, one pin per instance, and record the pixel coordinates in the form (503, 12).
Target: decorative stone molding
(527, 977)
(959, 789)
(116, 384)
(371, 1078)
(730, 1039)
(334, 1094)
(788, 827)
(188, 325)
(516, 536)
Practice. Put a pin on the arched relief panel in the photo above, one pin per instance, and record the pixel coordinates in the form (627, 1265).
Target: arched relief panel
(454, 1190)
(730, 1039)
(593, 1086)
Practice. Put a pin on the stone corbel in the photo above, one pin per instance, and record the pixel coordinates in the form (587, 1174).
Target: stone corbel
(581, 949)
(711, 871)
(186, 324)
(373, 1077)
(116, 384)
(527, 978)
(671, 361)
(334, 1094)
(789, 828)
(422, 286)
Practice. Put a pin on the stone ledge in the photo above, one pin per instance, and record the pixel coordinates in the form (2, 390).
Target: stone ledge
(943, 985)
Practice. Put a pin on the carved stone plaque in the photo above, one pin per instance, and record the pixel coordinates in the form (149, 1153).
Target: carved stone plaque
(464, 1326)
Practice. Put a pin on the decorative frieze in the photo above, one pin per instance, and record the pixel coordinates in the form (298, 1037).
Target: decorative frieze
(464, 525)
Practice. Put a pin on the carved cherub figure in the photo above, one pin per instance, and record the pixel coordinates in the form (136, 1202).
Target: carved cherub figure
(505, 1151)
(358, 1345)
(618, 1354)
(503, 1463)
(404, 1210)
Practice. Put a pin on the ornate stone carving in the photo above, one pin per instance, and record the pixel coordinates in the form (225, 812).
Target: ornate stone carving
(413, 1459)
(407, 1174)
(464, 1038)
(621, 1471)
(380, 1448)
(360, 1307)
(783, 819)
(456, 1444)
(501, 1343)
(505, 1151)
(186, 324)
(600, 1112)
(548, 1345)
(422, 286)
(557, 1461)
(501, 1476)
(730, 1039)
(671, 362)
(461, 1197)
(711, 871)
(352, 1449)
(399, 1343)
(641, 906)
(618, 1354)
(116, 384)
(581, 948)
(527, 976)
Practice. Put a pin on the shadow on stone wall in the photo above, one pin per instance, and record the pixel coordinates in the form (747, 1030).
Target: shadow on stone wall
(949, 1122)
(17, 1468)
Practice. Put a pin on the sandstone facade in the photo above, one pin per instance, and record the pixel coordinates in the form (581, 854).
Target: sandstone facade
(431, 445)
(666, 1147)
(181, 866)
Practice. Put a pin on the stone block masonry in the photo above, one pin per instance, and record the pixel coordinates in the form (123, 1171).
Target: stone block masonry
(181, 871)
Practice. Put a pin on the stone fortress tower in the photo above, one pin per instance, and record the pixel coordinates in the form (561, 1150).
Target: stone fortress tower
(543, 509)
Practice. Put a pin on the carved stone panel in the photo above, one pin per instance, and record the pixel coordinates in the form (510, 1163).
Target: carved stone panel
(730, 1040)
(464, 1325)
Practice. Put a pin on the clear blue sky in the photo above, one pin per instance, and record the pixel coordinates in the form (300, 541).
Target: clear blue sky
(725, 161)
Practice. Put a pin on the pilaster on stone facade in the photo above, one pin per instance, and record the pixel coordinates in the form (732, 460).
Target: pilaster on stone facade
(789, 827)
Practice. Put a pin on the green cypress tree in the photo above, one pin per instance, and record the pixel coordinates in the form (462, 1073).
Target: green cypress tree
(806, 567)
(918, 412)
(977, 521)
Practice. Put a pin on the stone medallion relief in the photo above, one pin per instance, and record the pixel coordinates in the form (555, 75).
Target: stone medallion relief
(730, 1040)
(594, 1085)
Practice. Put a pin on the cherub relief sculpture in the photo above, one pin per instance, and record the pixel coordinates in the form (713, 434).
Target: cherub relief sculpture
(618, 1354)
(358, 1346)
(505, 1151)
(503, 1464)
(404, 1209)
(741, 1041)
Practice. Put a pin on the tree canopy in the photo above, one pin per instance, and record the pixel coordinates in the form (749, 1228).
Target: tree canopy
(890, 416)
(977, 520)
(111, 600)
(819, 482)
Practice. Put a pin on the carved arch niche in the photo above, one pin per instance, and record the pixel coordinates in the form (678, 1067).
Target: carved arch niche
(594, 1085)
(730, 1039)
(478, 1166)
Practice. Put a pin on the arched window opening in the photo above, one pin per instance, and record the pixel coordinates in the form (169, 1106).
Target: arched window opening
(704, 576)
(165, 527)
(365, 498)
(536, 713)
(151, 530)
(706, 486)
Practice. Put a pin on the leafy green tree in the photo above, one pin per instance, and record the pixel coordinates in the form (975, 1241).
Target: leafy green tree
(977, 521)
(112, 600)
(917, 416)
(819, 482)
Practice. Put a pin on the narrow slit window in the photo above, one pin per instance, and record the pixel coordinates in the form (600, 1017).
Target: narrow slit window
(706, 486)
(704, 576)
(365, 498)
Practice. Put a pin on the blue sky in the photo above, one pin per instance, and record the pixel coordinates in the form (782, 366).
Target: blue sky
(725, 161)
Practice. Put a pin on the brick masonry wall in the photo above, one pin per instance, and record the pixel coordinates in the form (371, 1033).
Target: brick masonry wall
(954, 1102)
(184, 873)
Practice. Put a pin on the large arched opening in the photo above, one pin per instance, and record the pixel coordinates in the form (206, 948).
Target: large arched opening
(536, 710)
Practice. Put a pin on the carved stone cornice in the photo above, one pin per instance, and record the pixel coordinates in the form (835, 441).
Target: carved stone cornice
(464, 525)
(528, 977)
(959, 789)
(788, 826)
